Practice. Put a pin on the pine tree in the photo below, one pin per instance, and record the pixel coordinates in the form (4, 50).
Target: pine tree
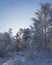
(41, 25)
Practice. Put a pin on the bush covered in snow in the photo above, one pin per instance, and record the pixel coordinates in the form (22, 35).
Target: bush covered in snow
(6, 43)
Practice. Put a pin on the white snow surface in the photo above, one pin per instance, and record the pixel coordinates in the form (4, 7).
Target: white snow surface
(24, 58)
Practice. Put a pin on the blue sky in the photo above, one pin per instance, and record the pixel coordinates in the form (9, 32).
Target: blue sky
(17, 14)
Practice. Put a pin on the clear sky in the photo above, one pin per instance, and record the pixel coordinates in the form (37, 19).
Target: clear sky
(17, 14)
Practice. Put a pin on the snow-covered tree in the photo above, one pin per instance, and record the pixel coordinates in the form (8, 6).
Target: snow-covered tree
(6, 43)
(23, 38)
(26, 38)
(41, 24)
(50, 31)
(19, 39)
(10, 31)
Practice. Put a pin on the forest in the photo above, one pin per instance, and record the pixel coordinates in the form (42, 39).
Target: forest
(29, 46)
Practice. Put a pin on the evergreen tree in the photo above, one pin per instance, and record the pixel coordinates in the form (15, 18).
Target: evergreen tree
(41, 25)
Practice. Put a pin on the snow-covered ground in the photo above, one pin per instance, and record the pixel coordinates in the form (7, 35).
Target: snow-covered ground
(24, 58)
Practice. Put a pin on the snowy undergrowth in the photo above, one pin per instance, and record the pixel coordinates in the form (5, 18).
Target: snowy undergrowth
(25, 58)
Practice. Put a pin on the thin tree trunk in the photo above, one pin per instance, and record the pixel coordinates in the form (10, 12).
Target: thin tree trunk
(45, 40)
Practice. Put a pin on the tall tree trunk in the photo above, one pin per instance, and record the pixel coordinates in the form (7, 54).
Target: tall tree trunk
(45, 39)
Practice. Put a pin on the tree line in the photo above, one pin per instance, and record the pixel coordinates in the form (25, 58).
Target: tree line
(36, 38)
